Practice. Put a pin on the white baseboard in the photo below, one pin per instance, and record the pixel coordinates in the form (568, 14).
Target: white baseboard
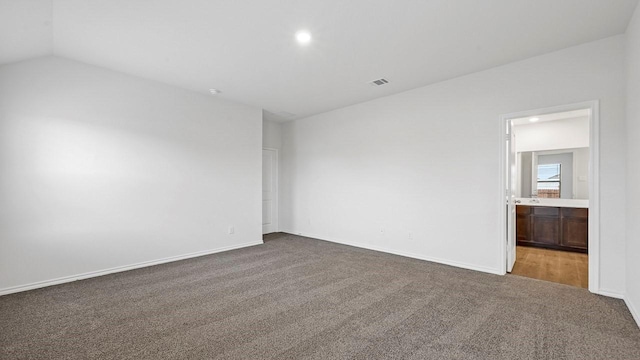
(91, 274)
(402, 253)
(632, 309)
(609, 293)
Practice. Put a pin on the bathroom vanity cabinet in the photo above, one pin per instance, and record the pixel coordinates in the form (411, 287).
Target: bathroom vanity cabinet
(561, 228)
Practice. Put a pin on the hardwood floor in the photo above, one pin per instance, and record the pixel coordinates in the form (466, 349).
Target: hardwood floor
(552, 265)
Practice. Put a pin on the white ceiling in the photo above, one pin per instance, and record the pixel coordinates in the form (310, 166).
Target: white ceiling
(247, 48)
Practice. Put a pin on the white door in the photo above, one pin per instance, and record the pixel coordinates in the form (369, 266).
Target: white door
(269, 191)
(512, 175)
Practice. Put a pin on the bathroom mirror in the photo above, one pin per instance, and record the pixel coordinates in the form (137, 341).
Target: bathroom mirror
(561, 174)
(549, 179)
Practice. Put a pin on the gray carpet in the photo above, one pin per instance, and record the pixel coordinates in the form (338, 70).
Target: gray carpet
(300, 298)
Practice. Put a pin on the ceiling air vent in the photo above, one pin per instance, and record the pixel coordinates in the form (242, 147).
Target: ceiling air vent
(379, 82)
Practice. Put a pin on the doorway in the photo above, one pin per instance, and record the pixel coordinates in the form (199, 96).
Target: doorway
(550, 186)
(269, 190)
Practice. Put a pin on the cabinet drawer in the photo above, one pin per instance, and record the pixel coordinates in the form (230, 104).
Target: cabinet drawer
(546, 211)
(523, 210)
(575, 212)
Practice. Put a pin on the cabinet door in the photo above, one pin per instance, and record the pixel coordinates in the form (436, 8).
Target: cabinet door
(575, 228)
(523, 232)
(523, 227)
(575, 232)
(546, 230)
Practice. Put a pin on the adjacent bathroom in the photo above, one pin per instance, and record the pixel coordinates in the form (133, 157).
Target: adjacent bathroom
(552, 160)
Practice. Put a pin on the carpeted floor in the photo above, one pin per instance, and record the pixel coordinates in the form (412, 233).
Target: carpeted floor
(300, 298)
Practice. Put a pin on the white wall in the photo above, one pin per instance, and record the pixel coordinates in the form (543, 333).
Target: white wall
(633, 165)
(102, 170)
(271, 134)
(581, 168)
(26, 29)
(402, 163)
(553, 135)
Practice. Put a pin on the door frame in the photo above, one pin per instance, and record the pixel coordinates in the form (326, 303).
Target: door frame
(511, 172)
(276, 216)
(594, 182)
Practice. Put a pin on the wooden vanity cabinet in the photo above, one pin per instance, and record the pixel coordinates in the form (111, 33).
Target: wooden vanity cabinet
(545, 227)
(552, 227)
(523, 224)
(575, 228)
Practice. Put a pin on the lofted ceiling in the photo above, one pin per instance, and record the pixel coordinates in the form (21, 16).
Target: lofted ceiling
(247, 48)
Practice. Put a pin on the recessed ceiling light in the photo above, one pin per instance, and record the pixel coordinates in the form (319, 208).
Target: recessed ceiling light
(303, 37)
(534, 119)
(214, 91)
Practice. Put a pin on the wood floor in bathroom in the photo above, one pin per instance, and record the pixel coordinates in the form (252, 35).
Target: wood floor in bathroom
(552, 265)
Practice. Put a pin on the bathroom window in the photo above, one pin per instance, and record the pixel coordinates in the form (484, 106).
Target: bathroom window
(549, 183)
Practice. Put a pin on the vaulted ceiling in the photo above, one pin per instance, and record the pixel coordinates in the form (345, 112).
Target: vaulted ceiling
(247, 48)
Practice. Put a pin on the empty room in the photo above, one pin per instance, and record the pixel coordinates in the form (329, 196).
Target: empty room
(279, 179)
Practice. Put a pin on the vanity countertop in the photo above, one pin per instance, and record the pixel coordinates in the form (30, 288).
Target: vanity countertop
(573, 203)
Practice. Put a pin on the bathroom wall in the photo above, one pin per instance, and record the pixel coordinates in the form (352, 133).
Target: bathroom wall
(552, 135)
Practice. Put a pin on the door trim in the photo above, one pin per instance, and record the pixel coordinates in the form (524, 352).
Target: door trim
(594, 183)
(276, 199)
